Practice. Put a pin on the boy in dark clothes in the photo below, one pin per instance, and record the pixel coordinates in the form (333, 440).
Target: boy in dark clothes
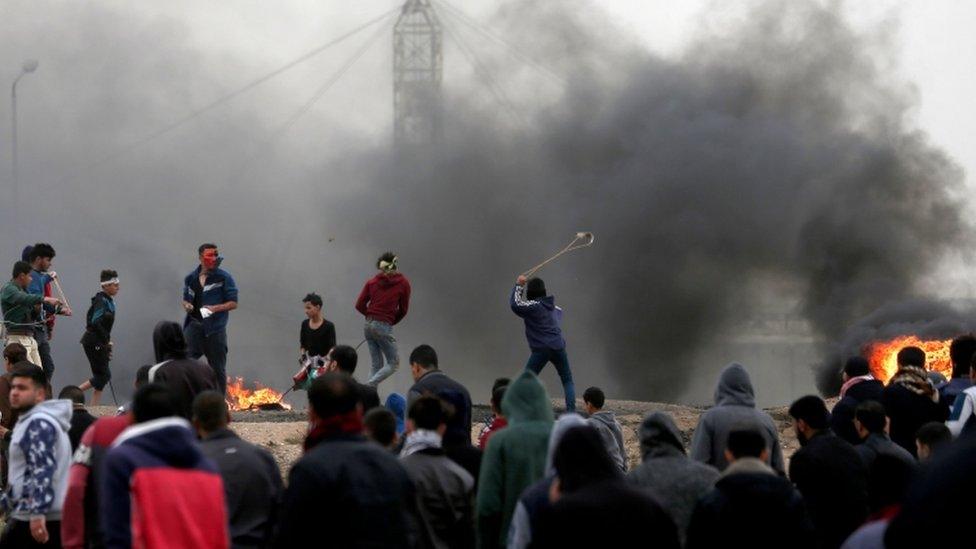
(318, 335)
(97, 341)
(542, 320)
(81, 419)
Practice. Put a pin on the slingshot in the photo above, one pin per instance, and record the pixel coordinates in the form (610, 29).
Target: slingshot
(57, 285)
(582, 240)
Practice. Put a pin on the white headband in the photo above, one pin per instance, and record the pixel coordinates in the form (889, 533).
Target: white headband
(113, 281)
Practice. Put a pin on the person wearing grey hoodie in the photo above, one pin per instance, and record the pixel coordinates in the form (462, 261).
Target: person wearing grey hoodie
(735, 409)
(536, 497)
(40, 455)
(668, 473)
(607, 425)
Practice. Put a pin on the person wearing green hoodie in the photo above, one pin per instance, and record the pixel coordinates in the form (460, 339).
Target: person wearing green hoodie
(514, 459)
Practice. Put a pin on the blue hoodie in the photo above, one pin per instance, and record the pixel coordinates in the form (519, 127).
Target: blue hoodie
(542, 319)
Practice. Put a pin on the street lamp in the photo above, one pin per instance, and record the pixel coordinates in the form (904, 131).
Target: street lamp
(28, 67)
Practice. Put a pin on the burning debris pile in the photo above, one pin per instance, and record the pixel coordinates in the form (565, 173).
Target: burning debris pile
(882, 355)
(260, 398)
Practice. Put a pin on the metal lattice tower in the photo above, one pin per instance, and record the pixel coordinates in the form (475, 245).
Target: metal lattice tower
(418, 63)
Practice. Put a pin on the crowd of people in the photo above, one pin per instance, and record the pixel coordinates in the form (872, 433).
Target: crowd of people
(889, 466)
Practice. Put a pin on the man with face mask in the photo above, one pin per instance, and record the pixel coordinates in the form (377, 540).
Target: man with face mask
(209, 294)
(829, 474)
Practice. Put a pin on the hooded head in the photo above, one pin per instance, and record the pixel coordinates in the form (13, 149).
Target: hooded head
(564, 423)
(398, 405)
(581, 459)
(535, 289)
(526, 400)
(659, 436)
(168, 341)
(734, 387)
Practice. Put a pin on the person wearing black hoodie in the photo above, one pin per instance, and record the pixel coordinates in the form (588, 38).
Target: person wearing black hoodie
(593, 505)
(910, 400)
(185, 376)
(859, 386)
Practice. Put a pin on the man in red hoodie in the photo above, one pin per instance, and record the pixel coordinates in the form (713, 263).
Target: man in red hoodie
(384, 302)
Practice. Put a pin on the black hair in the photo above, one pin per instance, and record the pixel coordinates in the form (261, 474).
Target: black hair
(857, 366)
(41, 249)
(425, 356)
(911, 356)
(389, 257)
(14, 353)
(496, 397)
(500, 382)
(812, 410)
(746, 443)
(72, 393)
(595, 396)
(205, 247)
(871, 415)
(934, 434)
(210, 411)
(142, 375)
(106, 275)
(535, 289)
(333, 394)
(154, 401)
(961, 352)
(427, 412)
(581, 459)
(889, 479)
(381, 425)
(313, 298)
(346, 358)
(31, 371)
(20, 268)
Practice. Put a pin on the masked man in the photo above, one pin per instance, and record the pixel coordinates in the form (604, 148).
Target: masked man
(209, 294)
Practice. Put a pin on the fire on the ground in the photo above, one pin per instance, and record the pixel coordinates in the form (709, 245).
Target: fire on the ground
(882, 355)
(241, 398)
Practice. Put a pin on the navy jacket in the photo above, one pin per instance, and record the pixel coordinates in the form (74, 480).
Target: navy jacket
(842, 417)
(218, 288)
(542, 319)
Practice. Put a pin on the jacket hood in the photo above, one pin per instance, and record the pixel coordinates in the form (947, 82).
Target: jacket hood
(169, 438)
(605, 417)
(168, 341)
(563, 424)
(60, 410)
(526, 400)
(388, 280)
(549, 302)
(734, 387)
(659, 436)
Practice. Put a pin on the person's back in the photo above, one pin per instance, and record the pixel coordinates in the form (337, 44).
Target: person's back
(735, 408)
(676, 480)
(859, 386)
(433, 381)
(606, 424)
(910, 400)
(80, 418)
(185, 377)
(870, 422)
(514, 459)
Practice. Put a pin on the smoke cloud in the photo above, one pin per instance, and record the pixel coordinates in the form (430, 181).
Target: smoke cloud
(776, 152)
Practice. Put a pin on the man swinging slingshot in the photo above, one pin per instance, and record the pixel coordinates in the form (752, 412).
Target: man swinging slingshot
(542, 321)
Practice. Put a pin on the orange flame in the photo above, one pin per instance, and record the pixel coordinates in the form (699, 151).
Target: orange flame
(882, 356)
(240, 398)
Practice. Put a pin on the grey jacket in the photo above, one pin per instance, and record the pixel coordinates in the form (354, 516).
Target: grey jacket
(876, 444)
(445, 499)
(735, 409)
(676, 480)
(612, 435)
(40, 456)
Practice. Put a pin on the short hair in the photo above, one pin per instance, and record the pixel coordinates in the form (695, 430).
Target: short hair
(497, 395)
(142, 375)
(21, 268)
(346, 358)
(14, 353)
(871, 415)
(206, 246)
(961, 352)
(911, 356)
(427, 412)
(595, 396)
(333, 394)
(154, 401)
(31, 371)
(812, 410)
(535, 288)
(857, 366)
(500, 382)
(381, 425)
(107, 274)
(425, 356)
(581, 459)
(889, 479)
(41, 249)
(72, 393)
(387, 256)
(934, 434)
(746, 443)
(210, 411)
(313, 298)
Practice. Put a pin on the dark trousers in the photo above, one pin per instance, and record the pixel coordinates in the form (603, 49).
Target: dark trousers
(17, 534)
(213, 346)
(538, 360)
(98, 358)
(44, 349)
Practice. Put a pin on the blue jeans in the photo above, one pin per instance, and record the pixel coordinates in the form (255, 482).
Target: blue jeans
(538, 360)
(213, 346)
(379, 338)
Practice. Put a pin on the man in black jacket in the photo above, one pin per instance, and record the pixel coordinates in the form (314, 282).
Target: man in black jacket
(252, 483)
(184, 376)
(870, 422)
(829, 473)
(859, 386)
(910, 400)
(343, 358)
(345, 491)
(750, 506)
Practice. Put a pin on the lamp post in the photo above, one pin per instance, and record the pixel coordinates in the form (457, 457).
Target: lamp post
(25, 69)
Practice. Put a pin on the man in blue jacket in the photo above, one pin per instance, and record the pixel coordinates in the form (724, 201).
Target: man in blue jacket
(542, 319)
(209, 294)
